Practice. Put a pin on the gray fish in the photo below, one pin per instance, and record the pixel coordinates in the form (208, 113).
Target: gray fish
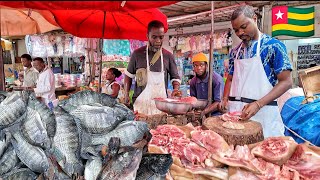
(86, 97)
(3, 95)
(128, 131)
(4, 141)
(154, 166)
(125, 111)
(92, 168)
(46, 115)
(67, 142)
(98, 120)
(33, 157)
(8, 160)
(33, 129)
(12, 110)
(20, 174)
(122, 166)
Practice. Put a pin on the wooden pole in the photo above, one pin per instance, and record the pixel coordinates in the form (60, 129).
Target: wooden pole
(2, 75)
(211, 55)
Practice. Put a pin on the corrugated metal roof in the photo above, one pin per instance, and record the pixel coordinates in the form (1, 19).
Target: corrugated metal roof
(223, 10)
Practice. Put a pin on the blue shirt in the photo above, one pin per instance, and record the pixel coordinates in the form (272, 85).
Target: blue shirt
(273, 55)
(199, 88)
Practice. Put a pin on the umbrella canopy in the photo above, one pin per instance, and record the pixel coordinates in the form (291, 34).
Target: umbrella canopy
(108, 25)
(88, 5)
(16, 22)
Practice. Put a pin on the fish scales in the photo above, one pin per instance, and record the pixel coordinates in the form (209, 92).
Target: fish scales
(33, 157)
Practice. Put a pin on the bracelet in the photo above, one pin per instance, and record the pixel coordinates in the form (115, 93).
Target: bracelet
(258, 104)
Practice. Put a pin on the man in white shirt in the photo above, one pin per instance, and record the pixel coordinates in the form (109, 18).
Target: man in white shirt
(45, 84)
(30, 75)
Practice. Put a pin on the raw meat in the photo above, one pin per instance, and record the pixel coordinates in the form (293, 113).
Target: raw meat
(195, 154)
(275, 149)
(306, 162)
(232, 125)
(210, 140)
(168, 130)
(232, 116)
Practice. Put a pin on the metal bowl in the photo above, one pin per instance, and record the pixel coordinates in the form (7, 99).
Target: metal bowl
(200, 104)
(172, 106)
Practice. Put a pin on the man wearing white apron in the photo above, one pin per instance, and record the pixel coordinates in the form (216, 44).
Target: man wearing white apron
(259, 73)
(150, 66)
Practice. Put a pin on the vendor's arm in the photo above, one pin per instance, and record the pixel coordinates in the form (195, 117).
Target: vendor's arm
(217, 86)
(130, 73)
(282, 69)
(224, 101)
(174, 76)
(115, 90)
(193, 90)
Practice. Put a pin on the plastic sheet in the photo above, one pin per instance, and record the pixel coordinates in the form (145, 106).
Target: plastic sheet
(304, 119)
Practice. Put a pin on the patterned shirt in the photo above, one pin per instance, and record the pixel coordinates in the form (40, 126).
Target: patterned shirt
(273, 54)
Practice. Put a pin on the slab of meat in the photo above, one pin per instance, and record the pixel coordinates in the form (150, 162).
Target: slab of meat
(239, 157)
(243, 174)
(306, 162)
(168, 130)
(231, 116)
(210, 140)
(196, 154)
(159, 140)
(275, 149)
(214, 172)
(232, 125)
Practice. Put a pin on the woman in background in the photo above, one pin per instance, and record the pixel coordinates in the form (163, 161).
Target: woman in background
(112, 87)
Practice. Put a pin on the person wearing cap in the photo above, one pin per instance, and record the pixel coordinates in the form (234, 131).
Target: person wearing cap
(199, 84)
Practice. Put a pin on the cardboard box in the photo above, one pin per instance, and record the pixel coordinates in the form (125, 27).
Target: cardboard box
(310, 81)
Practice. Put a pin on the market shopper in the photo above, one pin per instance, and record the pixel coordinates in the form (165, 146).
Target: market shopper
(30, 75)
(150, 65)
(112, 87)
(259, 73)
(45, 84)
(199, 84)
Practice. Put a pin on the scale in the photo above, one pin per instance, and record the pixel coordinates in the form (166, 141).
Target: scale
(180, 114)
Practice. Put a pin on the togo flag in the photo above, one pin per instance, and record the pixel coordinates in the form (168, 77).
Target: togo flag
(290, 21)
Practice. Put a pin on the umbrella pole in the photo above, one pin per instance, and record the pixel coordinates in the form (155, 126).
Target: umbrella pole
(211, 56)
(2, 75)
(100, 48)
(100, 64)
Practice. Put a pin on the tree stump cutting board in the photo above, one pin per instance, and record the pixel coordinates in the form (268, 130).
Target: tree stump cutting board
(251, 133)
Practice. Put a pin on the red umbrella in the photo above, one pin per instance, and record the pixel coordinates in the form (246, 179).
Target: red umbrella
(108, 25)
(92, 5)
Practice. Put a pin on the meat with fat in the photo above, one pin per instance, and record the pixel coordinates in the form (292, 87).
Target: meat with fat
(196, 154)
(231, 116)
(275, 149)
(210, 140)
(306, 162)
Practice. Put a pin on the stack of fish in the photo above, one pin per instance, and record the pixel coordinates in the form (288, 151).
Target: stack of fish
(66, 143)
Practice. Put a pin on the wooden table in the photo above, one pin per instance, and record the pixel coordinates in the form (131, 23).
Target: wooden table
(64, 90)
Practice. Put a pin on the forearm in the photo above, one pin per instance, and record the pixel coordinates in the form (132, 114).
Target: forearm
(284, 83)
(127, 83)
(211, 108)
(227, 87)
(276, 92)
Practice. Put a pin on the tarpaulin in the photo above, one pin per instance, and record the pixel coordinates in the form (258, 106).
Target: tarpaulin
(303, 119)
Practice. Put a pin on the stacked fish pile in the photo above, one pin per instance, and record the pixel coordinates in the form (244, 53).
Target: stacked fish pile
(66, 143)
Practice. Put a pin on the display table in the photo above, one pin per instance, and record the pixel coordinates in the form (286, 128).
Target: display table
(64, 90)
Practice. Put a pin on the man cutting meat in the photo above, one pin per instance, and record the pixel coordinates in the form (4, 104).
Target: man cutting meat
(150, 65)
(199, 84)
(259, 73)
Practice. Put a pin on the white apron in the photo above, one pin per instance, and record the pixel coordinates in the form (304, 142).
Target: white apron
(250, 81)
(155, 88)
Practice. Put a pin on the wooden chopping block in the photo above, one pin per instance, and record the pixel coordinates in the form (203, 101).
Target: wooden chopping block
(251, 133)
